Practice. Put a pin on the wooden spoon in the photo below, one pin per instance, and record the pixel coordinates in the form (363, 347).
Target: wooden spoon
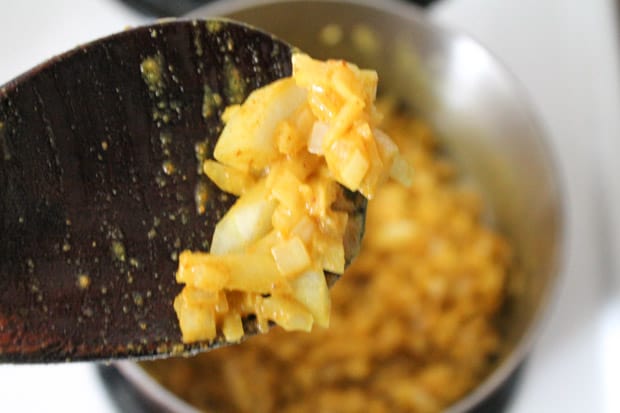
(101, 186)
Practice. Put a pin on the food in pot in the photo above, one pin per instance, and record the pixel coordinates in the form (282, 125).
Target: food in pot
(286, 152)
(412, 324)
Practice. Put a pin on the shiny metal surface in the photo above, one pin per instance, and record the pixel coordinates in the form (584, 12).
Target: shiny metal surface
(483, 118)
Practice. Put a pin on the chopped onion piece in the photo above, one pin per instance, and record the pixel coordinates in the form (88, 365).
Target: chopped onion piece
(291, 256)
(315, 143)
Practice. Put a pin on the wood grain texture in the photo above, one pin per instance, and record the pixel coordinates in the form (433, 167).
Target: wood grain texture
(89, 220)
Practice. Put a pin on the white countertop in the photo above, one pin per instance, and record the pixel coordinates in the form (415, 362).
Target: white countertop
(565, 54)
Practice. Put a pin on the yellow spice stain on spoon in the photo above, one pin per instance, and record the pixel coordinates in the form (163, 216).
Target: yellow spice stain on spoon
(168, 167)
(151, 69)
(201, 197)
(211, 102)
(83, 281)
(235, 84)
(213, 26)
(118, 251)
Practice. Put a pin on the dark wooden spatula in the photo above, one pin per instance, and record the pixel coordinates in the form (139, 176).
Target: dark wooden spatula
(101, 185)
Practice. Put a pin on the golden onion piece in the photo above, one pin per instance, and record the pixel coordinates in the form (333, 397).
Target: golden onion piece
(286, 152)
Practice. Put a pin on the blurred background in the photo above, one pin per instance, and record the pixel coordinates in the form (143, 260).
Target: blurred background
(564, 52)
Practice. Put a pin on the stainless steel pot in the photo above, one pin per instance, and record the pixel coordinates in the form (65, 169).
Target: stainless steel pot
(485, 122)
